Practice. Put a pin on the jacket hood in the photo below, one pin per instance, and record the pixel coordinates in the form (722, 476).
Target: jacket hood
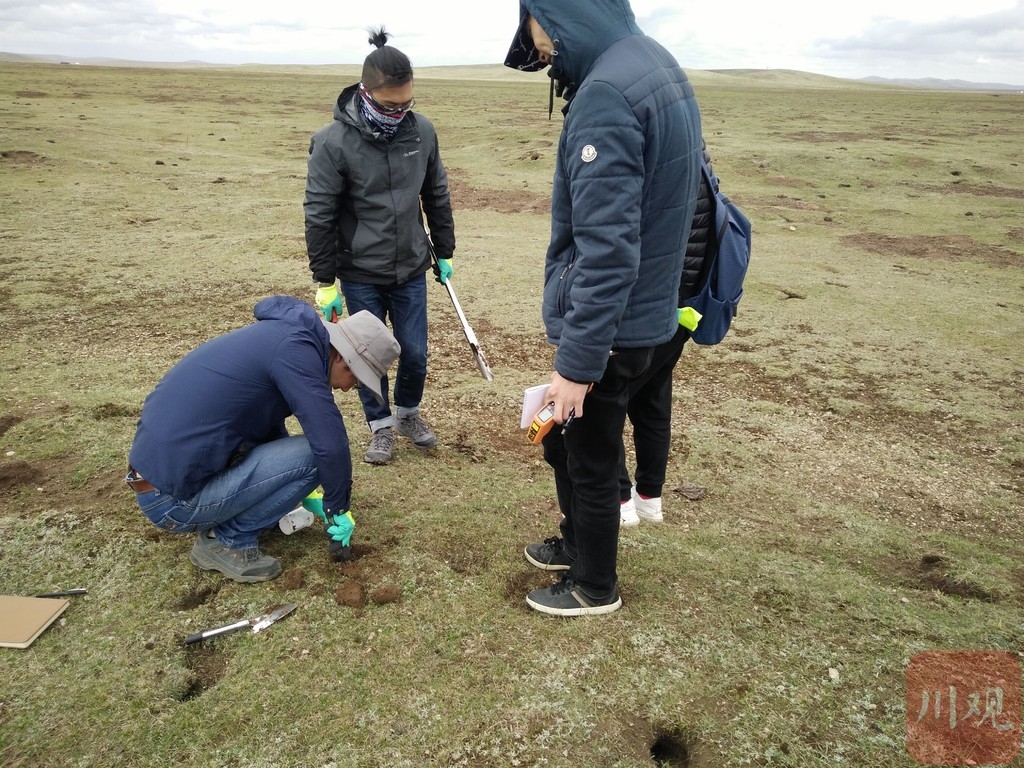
(345, 107)
(581, 32)
(294, 312)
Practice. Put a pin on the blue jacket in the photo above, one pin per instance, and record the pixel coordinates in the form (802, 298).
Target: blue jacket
(625, 185)
(234, 392)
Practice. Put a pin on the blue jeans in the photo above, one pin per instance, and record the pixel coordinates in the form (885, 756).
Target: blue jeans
(406, 305)
(244, 499)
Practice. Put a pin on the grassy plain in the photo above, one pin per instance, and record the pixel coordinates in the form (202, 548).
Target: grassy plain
(859, 436)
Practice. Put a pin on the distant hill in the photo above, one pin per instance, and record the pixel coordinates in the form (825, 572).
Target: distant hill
(102, 62)
(774, 77)
(944, 85)
(791, 77)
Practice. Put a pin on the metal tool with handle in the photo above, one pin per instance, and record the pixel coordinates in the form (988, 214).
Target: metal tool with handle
(257, 623)
(474, 345)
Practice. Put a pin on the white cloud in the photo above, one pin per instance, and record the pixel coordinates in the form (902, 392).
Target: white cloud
(982, 41)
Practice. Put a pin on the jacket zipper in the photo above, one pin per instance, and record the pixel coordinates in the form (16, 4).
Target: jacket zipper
(562, 283)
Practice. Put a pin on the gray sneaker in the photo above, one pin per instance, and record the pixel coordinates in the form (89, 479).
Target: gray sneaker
(567, 599)
(382, 444)
(416, 429)
(549, 555)
(247, 565)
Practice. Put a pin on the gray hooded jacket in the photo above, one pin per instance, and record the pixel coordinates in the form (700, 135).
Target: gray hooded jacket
(625, 185)
(364, 220)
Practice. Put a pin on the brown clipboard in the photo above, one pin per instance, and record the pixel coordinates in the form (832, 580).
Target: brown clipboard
(23, 619)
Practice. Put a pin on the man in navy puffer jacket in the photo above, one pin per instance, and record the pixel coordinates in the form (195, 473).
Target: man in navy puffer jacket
(624, 194)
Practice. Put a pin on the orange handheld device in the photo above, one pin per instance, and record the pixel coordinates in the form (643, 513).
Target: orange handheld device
(542, 423)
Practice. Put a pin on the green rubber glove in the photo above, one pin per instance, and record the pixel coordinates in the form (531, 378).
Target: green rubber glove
(341, 531)
(315, 504)
(689, 317)
(443, 270)
(329, 301)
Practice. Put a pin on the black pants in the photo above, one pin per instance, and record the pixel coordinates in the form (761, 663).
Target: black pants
(650, 412)
(586, 459)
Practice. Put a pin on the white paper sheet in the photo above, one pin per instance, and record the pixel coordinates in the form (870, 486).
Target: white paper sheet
(534, 398)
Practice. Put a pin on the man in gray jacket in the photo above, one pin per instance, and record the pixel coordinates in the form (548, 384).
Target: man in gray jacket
(624, 194)
(370, 173)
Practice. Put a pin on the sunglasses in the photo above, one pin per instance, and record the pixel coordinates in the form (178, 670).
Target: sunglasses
(389, 109)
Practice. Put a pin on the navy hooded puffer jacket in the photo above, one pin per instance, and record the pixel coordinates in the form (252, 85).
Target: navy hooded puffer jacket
(625, 185)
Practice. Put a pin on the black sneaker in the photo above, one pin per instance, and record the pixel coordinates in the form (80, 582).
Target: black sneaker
(566, 599)
(550, 555)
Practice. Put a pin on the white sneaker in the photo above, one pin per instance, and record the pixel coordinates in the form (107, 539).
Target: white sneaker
(627, 512)
(648, 510)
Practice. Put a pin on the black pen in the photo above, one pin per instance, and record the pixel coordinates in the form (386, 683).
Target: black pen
(65, 593)
(571, 419)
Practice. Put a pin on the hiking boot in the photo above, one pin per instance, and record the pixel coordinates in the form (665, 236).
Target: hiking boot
(247, 565)
(566, 599)
(416, 429)
(648, 510)
(627, 514)
(382, 444)
(549, 555)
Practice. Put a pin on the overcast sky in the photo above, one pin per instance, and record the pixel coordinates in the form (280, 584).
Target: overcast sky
(979, 40)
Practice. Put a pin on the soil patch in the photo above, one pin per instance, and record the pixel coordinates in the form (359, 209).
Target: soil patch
(466, 197)
(351, 594)
(944, 248)
(383, 595)
(292, 579)
(114, 411)
(17, 473)
(206, 666)
(6, 422)
(987, 190)
(21, 157)
(822, 137)
(195, 598)
(933, 573)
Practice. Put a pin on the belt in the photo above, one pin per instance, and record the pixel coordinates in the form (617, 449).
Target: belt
(134, 481)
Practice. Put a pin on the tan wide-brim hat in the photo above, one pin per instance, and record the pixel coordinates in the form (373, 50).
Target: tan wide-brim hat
(366, 344)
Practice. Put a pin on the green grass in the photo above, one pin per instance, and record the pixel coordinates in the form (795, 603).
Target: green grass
(859, 436)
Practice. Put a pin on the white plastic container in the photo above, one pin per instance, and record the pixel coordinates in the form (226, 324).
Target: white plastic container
(296, 520)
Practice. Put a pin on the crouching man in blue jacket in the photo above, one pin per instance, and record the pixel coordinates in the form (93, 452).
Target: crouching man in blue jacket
(211, 453)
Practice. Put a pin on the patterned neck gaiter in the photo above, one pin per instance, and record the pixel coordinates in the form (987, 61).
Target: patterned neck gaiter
(386, 125)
